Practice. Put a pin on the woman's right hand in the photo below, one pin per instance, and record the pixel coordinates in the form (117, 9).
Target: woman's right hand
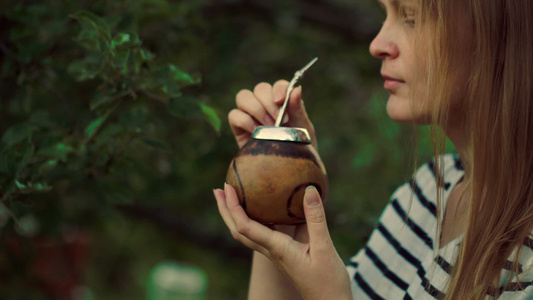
(261, 107)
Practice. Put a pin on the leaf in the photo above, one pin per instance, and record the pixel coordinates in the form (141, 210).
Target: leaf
(16, 134)
(19, 185)
(40, 187)
(147, 55)
(94, 22)
(58, 151)
(108, 133)
(47, 166)
(120, 39)
(180, 76)
(134, 117)
(184, 107)
(211, 116)
(88, 67)
(32, 187)
(100, 100)
(27, 149)
(130, 39)
(14, 160)
(41, 118)
(93, 127)
(172, 89)
(170, 79)
(120, 60)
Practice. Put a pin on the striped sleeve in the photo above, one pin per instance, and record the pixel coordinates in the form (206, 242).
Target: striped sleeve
(521, 286)
(400, 250)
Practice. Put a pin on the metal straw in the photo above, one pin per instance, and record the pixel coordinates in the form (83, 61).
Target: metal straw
(293, 82)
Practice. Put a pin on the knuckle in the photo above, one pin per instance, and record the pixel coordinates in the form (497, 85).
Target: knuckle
(278, 252)
(243, 228)
(233, 115)
(276, 255)
(281, 82)
(236, 119)
(242, 95)
(316, 219)
(262, 87)
(235, 235)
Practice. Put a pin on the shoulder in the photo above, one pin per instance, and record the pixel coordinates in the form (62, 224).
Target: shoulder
(445, 170)
(447, 166)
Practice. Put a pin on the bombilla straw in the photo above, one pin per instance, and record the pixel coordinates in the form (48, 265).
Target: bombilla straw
(297, 76)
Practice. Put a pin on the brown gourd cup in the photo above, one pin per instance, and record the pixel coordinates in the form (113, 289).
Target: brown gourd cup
(271, 172)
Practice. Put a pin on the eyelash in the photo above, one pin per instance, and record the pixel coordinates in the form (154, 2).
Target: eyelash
(408, 17)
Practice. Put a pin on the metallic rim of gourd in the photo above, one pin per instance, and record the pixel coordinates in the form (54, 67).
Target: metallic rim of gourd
(289, 134)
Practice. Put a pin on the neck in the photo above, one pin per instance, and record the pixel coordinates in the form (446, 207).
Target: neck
(461, 141)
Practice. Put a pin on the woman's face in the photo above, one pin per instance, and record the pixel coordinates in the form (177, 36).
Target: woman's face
(394, 45)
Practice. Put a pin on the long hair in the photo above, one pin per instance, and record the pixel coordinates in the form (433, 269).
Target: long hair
(481, 52)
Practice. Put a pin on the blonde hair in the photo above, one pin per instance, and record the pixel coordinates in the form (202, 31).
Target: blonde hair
(496, 95)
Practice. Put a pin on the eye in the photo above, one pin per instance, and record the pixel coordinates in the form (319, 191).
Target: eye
(408, 15)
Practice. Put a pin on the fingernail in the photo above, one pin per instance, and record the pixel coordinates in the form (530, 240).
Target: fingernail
(225, 186)
(311, 200)
(280, 96)
(268, 120)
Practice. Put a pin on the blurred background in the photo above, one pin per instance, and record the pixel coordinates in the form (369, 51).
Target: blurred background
(114, 133)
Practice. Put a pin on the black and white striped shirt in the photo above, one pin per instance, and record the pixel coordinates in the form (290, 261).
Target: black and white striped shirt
(401, 259)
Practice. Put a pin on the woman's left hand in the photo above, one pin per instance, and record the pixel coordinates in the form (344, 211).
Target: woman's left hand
(309, 258)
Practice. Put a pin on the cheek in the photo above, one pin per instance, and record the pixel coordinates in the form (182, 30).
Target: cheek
(459, 87)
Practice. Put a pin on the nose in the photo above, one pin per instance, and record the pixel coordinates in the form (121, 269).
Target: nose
(384, 46)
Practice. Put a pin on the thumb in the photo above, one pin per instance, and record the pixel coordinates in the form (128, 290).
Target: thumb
(315, 216)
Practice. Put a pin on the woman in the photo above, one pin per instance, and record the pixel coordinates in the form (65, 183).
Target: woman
(465, 67)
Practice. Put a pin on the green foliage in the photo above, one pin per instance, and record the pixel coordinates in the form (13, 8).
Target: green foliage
(92, 117)
(118, 77)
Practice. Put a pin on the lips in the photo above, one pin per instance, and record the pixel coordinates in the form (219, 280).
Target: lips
(391, 83)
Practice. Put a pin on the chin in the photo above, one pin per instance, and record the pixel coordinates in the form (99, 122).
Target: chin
(400, 110)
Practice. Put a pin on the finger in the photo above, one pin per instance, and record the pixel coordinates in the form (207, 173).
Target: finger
(298, 114)
(226, 216)
(248, 102)
(223, 209)
(319, 238)
(242, 125)
(296, 109)
(264, 92)
(265, 237)
(279, 90)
